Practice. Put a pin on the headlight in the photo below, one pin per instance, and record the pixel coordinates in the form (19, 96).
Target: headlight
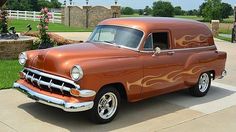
(76, 73)
(22, 58)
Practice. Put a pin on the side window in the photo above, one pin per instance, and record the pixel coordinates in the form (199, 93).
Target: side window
(161, 40)
(149, 43)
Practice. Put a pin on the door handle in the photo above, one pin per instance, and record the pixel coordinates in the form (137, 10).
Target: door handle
(170, 52)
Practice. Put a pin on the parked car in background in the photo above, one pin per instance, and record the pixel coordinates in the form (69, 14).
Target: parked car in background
(124, 58)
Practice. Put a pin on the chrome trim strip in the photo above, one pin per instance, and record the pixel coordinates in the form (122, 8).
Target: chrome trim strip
(62, 87)
(55, 102)
(53, 77)
(47, 84)
(38, 82)
(83, 93)
(183, 49)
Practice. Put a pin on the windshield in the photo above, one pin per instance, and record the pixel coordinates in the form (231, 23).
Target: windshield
(116, 35)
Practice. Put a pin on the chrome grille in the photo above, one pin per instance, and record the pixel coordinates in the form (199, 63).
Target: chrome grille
(48, 82)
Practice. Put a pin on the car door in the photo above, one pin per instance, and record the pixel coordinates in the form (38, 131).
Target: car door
(161, 72)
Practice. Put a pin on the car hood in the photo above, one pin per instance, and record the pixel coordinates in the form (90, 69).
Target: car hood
(60, 60)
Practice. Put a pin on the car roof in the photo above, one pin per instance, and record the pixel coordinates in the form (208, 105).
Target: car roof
(149, 23)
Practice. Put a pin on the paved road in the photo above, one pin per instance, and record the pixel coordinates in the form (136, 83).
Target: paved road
(231, 61)
(178, 111)
(75, 35)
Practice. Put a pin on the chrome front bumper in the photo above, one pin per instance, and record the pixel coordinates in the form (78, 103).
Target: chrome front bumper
(55, 102)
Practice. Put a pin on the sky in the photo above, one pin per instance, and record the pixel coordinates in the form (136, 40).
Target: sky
(140, 4)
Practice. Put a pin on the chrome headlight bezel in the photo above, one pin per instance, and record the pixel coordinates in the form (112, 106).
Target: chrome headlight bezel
(22, 58)
(76, 73)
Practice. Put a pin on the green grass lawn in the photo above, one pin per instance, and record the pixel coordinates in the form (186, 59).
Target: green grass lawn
(9, 70)
(224, 38)
(20, 26)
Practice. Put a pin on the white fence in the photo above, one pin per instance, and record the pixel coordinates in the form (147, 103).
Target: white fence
(32, 15)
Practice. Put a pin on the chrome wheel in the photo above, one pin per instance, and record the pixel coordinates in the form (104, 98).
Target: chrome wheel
(107, 105)
(203, 82)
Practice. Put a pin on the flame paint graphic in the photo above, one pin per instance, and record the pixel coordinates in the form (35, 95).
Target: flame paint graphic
(170, 77)
(191, 39)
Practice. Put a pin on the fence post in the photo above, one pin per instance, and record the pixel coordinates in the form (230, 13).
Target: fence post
(34, 16)
(53, 19)
(17, 14)
(25, 15)
(9, 13)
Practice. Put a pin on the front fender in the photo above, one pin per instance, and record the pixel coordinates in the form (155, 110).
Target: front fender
(98, 73)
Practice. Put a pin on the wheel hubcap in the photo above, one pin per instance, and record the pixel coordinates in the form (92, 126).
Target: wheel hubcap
(204, 82)
(107, 105)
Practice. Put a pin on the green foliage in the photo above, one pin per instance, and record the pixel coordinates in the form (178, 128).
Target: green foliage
(163, 9)
(201, 7)
(215, 10)
(140, 12)
(127, 11)
(192, 12)
(55, 4)
(32, 5)
(19, 5)
(147, 10)
(178, 10)
(227, 10)
(212, 10)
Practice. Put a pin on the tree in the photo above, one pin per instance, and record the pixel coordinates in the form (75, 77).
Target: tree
(163, 9)
(147, 10)
(44, 3)
(212, 10)
(140, 11)
(19, 5)
(32, 5)
(178, 10)
(127, 11)
(55, 4)
(192, 12)
(201, 7)
(215, 10)
(227, 10)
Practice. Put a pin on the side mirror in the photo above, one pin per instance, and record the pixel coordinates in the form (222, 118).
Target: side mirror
(157, 51)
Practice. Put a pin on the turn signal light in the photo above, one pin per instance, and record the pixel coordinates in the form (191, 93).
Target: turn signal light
(74, 92)
(22, 75)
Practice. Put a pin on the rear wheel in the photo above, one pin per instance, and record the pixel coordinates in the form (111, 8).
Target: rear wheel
(203, 85)
(106, 106)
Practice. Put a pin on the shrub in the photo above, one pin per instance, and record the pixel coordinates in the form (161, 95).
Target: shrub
(45, 41)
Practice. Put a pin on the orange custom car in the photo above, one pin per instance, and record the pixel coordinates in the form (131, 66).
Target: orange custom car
(124, 58)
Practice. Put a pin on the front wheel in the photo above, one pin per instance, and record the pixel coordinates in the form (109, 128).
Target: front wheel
(203, 85)
(106, 105)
